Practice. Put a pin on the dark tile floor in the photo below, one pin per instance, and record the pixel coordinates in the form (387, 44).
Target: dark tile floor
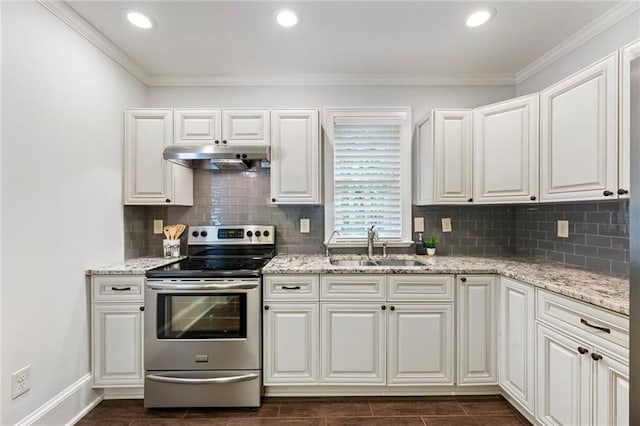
(347, 411)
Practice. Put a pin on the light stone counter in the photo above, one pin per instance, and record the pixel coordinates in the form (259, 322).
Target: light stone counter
(137, 266)
(598, 289)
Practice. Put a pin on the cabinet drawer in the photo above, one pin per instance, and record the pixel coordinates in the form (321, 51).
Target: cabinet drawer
(574, 316)
(420, 287)
(352, 287)
(121, 288)
(291, 287)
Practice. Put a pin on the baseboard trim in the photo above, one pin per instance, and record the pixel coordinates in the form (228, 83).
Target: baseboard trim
(68, 406)
(124, 393)
(285, 391)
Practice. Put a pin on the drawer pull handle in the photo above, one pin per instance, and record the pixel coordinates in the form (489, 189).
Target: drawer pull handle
(120, 288)
(582, 350)
(285, 287)
(605, 329)
(596, 357)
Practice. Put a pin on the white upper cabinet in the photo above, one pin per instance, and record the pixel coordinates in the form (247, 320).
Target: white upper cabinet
(148, 177)
(245, 127)
(506, 143)
(627, 54)
(196, 126)
(295, 157)
(442, 153)
(579, 135)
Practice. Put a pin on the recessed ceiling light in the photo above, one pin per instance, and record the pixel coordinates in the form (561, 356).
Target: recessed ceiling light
(140, 20)
(287, 18)
(480, 17)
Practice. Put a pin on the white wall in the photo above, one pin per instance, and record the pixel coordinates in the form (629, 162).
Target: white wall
(420, 98)
(62, 114)
(598, 47)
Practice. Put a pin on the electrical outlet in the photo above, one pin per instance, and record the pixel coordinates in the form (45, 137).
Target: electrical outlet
(20, 382)
(418, 224)
(157, 226)
(446, 224)
(304, 226)
(563, 228)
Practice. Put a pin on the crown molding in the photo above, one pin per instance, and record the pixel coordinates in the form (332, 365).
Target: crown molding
(70, 17)
(334, 80)
(602, 23)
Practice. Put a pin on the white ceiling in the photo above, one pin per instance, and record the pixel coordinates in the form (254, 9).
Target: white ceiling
(346, 38)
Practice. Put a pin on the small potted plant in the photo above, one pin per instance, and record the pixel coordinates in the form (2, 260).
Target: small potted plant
(431, 244)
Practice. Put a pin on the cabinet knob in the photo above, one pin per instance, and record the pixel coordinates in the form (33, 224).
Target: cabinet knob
(582, 350)
(463, 279)
(607, 193)
(532, 198)
(168, 200)
(266, 307)
(273, 200)
(470, 200)
(383, 307)
(141, 308)
(224, 142)
(622, 191)
(596, 357)
(393, 308)
(217, 142)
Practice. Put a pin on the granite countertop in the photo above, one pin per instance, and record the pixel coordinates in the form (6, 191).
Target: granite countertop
(598, 289)
(137, 266)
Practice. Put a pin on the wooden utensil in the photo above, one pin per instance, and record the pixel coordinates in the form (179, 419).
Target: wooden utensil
(179, 230)
(167, 232)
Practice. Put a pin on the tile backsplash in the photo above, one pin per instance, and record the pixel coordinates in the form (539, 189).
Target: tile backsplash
(598, 231)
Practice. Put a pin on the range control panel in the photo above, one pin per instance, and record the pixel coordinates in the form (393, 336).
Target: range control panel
(233, 234)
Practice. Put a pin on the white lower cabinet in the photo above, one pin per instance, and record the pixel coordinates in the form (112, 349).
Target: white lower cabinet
(477, 330)
(352, 339)
(516, 341)
(611, 391)
(564, 375)
(117, 331)
(420, 344)
(291, 343)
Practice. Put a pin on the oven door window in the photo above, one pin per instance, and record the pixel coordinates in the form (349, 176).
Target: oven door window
(202, 316)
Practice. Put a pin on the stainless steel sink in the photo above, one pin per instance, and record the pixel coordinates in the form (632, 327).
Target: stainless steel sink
(378, 262)
(352, 262)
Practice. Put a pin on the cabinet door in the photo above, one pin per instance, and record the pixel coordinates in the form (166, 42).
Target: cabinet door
(506, 142)
(245, 127)
(197, 126)
(579, 135)
(627, 54)
(117, 345)
(420, 344)
(423, 165)
(352, 338)
(612, 391)
(477, 330)
(516, 343)
(452, 156)
(290, 343)
(295, 157)
(150, 179)
(564, 376)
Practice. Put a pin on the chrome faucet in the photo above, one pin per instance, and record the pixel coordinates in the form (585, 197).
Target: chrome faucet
(326, 245)
(371, 235)
(384, 249)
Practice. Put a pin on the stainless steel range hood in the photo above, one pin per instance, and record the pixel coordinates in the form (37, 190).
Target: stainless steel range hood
(215, 157)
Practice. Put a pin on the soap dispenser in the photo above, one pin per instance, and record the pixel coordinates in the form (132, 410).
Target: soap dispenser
(420, 245)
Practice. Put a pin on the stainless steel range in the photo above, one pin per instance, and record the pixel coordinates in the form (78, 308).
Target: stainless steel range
(202, 320)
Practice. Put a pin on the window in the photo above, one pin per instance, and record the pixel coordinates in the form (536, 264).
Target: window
(368, 174)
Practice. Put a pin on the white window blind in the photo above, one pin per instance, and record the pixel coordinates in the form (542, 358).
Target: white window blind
(367, 178)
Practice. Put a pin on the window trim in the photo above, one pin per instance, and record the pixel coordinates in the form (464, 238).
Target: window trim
(397, 113)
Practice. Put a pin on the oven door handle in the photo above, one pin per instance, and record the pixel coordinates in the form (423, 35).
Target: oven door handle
(160, 286)
(210, 380)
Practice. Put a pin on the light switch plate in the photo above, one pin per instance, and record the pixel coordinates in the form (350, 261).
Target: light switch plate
(446, 224)
(157, 226)
(418, 224)
(304, 226)
(563, 228)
